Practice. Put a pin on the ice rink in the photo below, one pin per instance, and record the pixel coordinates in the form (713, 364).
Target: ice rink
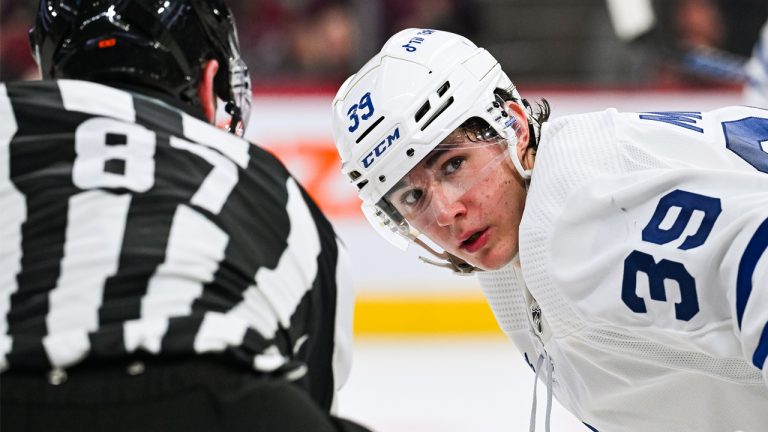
(445, 384)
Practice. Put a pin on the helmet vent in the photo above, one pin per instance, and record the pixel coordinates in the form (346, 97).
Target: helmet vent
(423, 110)
(362, 184)
(367, 131)
(443, 88)
(354, 175)
(438, 112)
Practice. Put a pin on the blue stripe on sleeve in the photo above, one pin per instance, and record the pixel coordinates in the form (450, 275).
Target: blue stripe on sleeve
(752, 254)
(758, 359)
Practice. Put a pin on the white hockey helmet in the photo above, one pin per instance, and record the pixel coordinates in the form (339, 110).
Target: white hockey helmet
(401, 104)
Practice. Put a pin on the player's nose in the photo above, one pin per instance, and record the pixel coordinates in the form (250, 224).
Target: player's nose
(446, 207)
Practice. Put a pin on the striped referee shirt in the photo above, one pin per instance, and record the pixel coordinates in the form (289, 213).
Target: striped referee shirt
(129, 226)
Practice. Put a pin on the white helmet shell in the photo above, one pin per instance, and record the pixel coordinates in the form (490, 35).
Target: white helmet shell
(403, 102)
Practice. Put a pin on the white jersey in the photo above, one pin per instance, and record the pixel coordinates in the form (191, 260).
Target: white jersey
(643, 246)
(756, 88)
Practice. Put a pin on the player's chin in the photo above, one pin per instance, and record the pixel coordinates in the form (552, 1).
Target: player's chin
(491, 259)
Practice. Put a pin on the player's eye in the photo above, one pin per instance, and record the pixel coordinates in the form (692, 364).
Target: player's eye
(411, 197)
(453, 164)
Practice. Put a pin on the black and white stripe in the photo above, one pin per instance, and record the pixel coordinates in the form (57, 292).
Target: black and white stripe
(13, 215)
(129, 226)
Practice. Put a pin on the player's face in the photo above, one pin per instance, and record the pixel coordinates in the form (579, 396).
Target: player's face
(466, 198)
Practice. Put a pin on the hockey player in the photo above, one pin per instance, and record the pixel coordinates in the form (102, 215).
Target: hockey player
(623, 253)
(157, 273)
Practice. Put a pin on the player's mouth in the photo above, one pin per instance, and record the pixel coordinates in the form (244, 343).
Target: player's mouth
(477, 240)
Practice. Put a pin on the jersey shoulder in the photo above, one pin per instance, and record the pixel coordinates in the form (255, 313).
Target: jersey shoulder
(600, 178)
(31, 102)
(572, 151)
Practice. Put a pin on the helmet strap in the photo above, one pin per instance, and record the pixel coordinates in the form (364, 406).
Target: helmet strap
(512, 149)
(450, 261)
(236, 118)
(512, 141)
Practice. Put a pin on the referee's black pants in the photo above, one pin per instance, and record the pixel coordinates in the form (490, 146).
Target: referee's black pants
(164, 396)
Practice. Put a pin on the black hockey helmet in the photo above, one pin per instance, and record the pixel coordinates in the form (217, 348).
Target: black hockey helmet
(157, 43)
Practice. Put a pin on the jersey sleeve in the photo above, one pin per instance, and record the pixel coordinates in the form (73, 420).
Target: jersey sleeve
(345, 300)
(745, 277)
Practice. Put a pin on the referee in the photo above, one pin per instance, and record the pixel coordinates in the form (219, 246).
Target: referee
(157, 273)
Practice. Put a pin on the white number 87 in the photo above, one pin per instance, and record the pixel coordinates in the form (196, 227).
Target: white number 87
(115, 154)
(132, 149)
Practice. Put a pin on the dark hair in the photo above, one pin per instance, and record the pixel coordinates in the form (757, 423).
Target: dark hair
(476, 129)
(539, 114)
(541, 111)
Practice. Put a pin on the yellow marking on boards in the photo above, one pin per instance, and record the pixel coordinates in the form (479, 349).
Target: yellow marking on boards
(416, 315)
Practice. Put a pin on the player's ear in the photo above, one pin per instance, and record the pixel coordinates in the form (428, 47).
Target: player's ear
(205, 89)
(525, 152)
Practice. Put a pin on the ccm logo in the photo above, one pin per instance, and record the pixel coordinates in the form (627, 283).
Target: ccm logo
(380, 148)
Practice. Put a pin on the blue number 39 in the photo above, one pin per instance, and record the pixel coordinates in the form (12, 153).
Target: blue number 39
(364, 104)
(657, 273)
(745, 138)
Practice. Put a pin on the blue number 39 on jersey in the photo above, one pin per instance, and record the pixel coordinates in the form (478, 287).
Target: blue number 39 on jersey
(745, 138)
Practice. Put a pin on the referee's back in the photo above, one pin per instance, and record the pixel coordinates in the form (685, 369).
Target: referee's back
(129, 226)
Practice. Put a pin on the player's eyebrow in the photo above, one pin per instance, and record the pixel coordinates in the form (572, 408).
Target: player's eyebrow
(428, 161)
(432, 157)
(438, 151)
(399, 185)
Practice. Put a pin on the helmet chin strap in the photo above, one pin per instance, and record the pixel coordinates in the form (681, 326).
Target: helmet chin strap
(450, 261)
(512, 141)
(512, 149)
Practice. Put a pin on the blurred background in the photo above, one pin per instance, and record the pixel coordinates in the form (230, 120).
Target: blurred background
(552, 42)
(429, 356)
